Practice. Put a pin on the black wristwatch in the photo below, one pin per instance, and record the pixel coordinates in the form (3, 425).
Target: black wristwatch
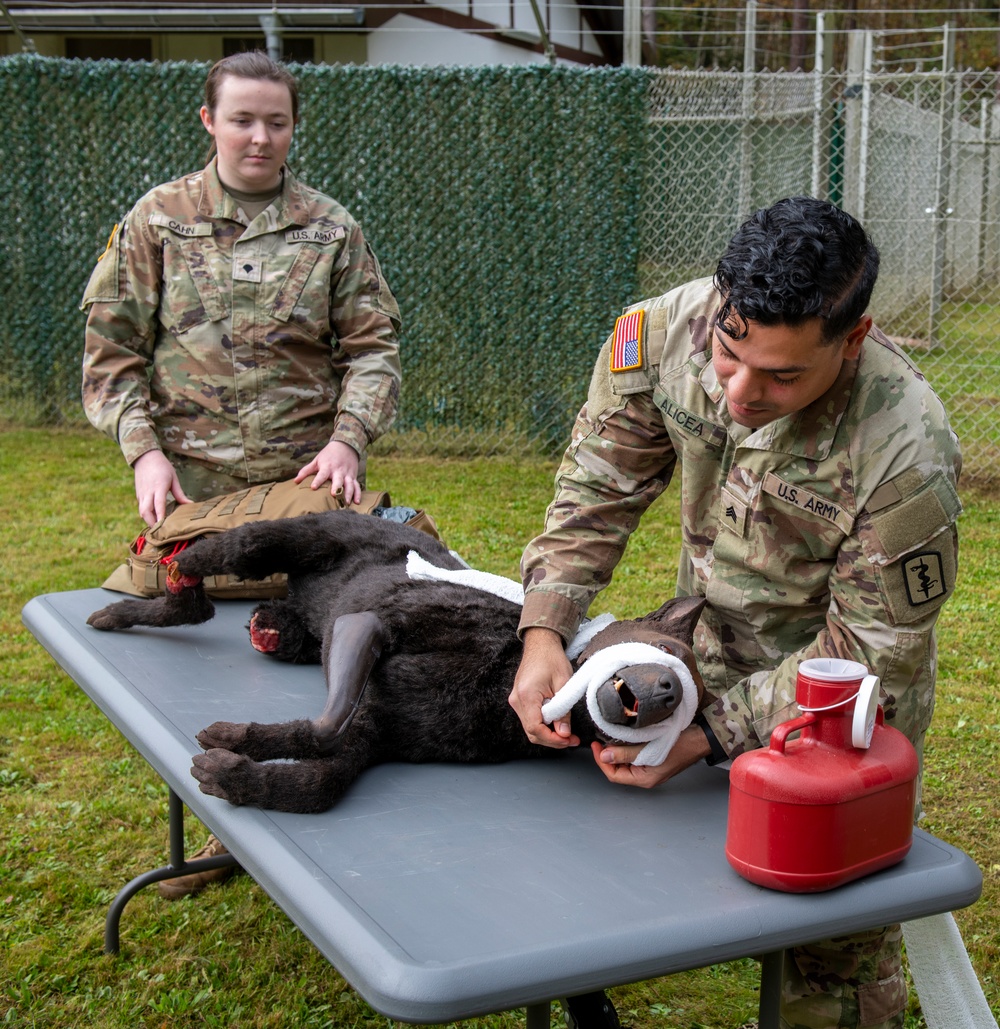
(718, 754)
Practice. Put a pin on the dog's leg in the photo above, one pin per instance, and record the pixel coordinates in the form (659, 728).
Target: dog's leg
(302, 786)
(355, 645)
(263, 741)
(307, 786)
(251, 551)
(277, 628)
(184, 602)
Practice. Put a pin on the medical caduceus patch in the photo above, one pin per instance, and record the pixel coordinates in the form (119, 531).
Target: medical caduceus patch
(923, 575)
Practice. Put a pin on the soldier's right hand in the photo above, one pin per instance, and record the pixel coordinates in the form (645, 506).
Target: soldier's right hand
(543, 671)
(154, 479)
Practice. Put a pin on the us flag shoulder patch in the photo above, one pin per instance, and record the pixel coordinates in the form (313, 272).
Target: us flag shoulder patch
(626, 346)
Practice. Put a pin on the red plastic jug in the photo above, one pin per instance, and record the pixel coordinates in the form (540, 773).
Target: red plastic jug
(836, 803)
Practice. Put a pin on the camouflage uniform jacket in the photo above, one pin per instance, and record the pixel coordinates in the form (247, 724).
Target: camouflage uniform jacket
(830, 532)
(246, 346)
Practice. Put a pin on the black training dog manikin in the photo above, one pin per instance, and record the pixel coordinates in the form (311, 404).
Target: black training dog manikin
(416, 670)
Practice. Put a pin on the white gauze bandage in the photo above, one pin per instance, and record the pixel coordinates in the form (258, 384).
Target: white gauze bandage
(498, 585)
(659, 738)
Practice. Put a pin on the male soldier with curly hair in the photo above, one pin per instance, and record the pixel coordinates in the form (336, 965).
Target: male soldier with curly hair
(818, 509)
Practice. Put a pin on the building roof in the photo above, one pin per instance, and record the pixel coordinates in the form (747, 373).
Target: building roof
(603, 18)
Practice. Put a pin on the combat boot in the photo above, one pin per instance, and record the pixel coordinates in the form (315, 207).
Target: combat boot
(195, 882)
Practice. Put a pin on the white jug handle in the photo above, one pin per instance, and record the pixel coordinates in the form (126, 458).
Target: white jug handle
(865, 708)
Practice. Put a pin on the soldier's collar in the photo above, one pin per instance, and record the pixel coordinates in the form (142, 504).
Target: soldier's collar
(294, 206)
(215, 202)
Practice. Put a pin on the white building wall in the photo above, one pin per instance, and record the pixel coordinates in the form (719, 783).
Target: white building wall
(523, 17)
(568, 28)
(404, 39)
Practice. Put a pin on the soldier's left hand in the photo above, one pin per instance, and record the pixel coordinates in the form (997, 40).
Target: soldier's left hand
(337, 463)
(615, 761)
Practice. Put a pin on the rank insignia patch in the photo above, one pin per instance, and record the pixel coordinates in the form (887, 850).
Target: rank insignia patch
(247, 269)
(923, 575)
(626, 346)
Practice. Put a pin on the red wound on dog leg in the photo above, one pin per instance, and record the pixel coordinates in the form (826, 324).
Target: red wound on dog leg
(264, 640)
(177, 582)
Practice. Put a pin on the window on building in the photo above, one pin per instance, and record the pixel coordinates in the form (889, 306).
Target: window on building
(299, 49)
(295, 49)
(114, 48)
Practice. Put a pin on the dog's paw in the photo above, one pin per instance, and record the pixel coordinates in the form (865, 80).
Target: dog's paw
(106, 619)
(220, 773)
(230, 736)
(125, 614)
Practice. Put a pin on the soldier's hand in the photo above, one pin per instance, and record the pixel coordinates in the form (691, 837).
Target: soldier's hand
(154, 479)
(337, 463)
(615, 761)
(543, 671)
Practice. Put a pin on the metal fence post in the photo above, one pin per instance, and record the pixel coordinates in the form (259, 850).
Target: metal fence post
(747, 110)
(270, 25)
(822, 111)
(857, 118)
(940, 211)
(632, 34)
(990, 218)
(866, 114)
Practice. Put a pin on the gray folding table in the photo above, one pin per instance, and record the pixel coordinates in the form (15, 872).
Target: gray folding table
(442, 892)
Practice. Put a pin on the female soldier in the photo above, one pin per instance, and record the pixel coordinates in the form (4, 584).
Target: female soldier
(239, 328)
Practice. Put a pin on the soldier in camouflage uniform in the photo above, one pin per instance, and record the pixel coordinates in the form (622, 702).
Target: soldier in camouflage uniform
(239, 328)
(238, 321)
(818, 510)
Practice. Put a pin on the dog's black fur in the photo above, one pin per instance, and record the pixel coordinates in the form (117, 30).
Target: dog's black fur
(416, 671)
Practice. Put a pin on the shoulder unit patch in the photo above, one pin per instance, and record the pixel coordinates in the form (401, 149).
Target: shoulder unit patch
(111, 242)
(923, 575)
(626, 345)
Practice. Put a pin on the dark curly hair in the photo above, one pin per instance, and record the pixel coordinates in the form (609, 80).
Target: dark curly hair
(801, 258)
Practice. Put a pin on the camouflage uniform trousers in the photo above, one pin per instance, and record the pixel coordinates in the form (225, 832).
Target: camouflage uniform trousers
(848, 982)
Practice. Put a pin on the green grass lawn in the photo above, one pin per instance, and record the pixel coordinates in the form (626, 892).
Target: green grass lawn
(82, 812)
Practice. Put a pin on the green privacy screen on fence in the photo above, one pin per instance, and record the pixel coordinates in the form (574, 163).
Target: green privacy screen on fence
(503, 204)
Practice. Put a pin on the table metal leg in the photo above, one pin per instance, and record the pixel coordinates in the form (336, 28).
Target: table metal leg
(177, 866)
(537, 1015)
(771, 966)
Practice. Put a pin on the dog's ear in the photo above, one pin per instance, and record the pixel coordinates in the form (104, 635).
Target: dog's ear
(677, 617)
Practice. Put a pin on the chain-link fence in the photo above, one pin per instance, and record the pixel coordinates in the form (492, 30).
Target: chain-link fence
(915, 156)
(516, 210)
(500, 201)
